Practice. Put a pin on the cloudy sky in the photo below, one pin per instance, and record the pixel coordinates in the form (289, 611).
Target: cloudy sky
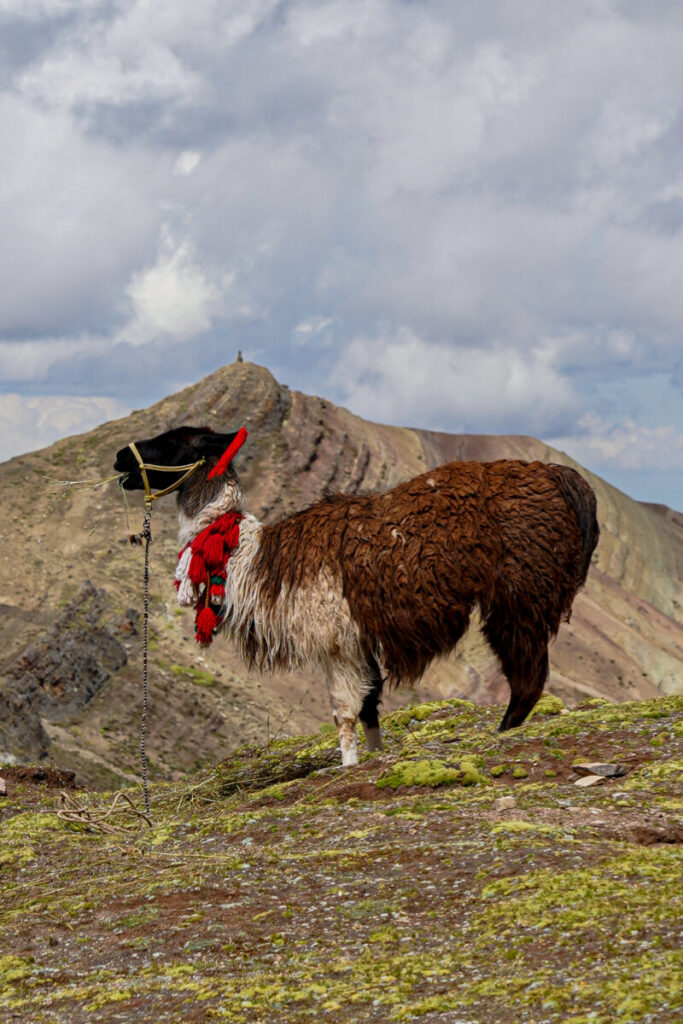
(460, 216)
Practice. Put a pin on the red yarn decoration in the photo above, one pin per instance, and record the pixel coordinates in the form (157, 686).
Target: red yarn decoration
(214, 549)
(231, 532)
(206, 622)
(229, 454)
(211, 550)
(197, 570)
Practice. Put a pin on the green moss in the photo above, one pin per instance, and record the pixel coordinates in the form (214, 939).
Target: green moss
(160, 834)
(548, 704)
(606, 717)
(138, 919)
(432, 773)
(419, 712)
(327, 743)
(658, 775)
(499, 769)
(387, 934)
(196, 675)
(15, 855)
(519, 773)
(519, 826)
(579, 899)
(31, 825)
(14, 969)
(276, 792)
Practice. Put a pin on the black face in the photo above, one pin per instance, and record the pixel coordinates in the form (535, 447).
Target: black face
(179, 447)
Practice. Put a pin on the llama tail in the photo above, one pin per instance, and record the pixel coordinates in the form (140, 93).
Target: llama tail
(580, 497)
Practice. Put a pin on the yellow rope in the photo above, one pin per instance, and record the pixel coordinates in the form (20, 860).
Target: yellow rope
(187, 471)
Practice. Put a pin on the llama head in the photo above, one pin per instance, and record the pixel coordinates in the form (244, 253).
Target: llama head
(180, 447)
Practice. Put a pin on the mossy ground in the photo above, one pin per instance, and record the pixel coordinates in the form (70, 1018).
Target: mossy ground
(277, 888)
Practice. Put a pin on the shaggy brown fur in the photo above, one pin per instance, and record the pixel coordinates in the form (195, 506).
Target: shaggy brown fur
(408, 568)
(513, 537)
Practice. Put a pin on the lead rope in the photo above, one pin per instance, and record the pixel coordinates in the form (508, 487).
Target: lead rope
(147, 536)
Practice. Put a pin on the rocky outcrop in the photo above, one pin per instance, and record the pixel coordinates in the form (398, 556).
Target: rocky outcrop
(60, 673)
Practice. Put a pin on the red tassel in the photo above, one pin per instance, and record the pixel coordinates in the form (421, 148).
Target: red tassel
(198, 543)
(216, 593)
(214, 550)
(206, 622)
(197, 570)
(232, 536)
(176, 584)
(229, 454)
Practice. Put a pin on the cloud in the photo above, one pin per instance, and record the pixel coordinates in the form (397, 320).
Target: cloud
(33, 360)
(187, 161)
(27, 423)
(173, 297)
(76, 217)
(33, 9)
(475, 207)
(405, 379)
(314, 330)
(624, 446)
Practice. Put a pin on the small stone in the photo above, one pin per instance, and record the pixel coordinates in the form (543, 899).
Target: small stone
(589, 780)
(608, 771)
(504, 803)
(3, 787)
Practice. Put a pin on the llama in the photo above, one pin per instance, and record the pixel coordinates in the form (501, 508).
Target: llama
(373, 587)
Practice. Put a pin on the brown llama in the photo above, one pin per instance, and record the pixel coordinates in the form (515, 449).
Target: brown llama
(374, 587)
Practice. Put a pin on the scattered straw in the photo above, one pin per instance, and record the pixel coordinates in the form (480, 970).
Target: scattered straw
(98, 819)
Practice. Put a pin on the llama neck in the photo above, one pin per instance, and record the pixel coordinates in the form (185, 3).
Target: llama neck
(230, 498)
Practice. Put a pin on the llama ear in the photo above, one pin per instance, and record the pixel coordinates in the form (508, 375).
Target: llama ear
(212, 444)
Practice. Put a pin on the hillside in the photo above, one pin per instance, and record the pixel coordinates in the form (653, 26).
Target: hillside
(466, 877)
(72, 588)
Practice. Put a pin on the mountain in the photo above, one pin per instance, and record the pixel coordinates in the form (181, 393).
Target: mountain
(71, 597)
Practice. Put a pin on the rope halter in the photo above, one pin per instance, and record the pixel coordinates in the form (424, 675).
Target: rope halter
(187, 472)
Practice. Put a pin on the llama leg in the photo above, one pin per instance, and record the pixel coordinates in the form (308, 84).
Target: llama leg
(348, 740)
(368, 713)
(523, 697)
(523, 652)
(346, 696)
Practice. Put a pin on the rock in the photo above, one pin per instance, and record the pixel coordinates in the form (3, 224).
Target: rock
(608, 771)
(504, 803)
(3, 787)
(589, 780)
